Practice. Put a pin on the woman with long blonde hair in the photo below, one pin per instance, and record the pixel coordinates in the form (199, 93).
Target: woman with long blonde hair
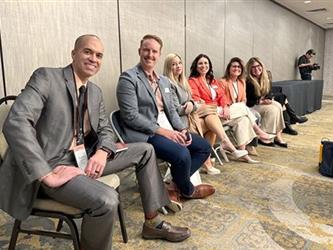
(259, 97)
(207, 125)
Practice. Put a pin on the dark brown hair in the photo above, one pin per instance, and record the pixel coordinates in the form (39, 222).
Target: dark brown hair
(227, 70)
(194, 71)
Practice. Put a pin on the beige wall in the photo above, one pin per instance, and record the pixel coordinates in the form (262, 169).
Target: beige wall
(138, 19)
(41, 33)
(203, 28)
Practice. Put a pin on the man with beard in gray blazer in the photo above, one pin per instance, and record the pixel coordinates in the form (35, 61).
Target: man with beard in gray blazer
(148, 114)
(48, 130)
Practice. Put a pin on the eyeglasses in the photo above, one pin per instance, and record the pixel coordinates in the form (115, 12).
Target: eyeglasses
(256, 66)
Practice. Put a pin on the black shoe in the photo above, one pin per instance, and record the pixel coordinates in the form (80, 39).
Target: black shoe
(298, 119)
(281, 144)
(289, 130)
(271, 144)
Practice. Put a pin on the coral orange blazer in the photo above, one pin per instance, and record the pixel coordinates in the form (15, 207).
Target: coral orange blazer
(200, 91)
(228, 91)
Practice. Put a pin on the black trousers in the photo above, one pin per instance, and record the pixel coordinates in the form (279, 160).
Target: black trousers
(306, 76)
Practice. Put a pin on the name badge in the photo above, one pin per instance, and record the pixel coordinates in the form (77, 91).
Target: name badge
(81, 156)
(167, 90)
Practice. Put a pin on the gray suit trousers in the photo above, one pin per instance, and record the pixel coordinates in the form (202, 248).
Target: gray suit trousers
(100, 201)
(142, 157)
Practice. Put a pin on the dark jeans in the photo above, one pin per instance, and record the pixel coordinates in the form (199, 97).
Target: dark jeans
(184, 160)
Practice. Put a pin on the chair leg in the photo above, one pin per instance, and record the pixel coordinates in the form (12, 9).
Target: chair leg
(121, 220)
(225, 157)
(15, 232)
(59, 226)
(74, 232)
(217, 156)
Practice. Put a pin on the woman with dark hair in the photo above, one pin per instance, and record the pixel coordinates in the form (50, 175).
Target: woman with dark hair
(209, 125)
(233, 85)
(258, 96)
(207, 90)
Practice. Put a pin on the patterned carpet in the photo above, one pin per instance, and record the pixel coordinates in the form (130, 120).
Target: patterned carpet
(280, 203)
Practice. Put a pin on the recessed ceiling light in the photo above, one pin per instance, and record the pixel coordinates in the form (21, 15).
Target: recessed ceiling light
(307, 1)
(328, 18)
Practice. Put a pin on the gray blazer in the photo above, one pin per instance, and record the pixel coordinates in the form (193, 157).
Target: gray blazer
(180, 97)
(39, 131)
(138, 108)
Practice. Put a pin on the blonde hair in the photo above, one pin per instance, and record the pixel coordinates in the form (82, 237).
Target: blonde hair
(262, 86)
(181, 79)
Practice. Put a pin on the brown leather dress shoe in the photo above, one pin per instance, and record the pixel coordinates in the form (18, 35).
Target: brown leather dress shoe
(166, 232)
(201, 191)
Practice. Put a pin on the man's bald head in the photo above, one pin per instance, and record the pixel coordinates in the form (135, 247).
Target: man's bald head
(81, 39)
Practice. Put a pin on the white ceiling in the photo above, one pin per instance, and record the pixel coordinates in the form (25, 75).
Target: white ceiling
(322, 18)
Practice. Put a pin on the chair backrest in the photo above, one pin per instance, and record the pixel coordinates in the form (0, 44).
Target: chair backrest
(115, 123)
(5, 105)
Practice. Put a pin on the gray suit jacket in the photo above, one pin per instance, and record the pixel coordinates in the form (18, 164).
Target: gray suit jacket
(138, 107)
(39, 131)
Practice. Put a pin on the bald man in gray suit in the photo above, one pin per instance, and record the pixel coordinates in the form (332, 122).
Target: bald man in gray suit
(47, 129)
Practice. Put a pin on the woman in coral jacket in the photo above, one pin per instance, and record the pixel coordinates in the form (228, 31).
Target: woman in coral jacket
(206, 90)
(233, 85)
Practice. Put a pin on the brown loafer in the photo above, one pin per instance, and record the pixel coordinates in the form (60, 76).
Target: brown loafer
(166, 232)
(201, 191)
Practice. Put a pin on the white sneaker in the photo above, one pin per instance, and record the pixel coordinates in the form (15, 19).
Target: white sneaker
(211, 171)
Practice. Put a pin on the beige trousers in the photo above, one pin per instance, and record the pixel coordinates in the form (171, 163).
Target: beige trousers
(271, 117)
(239, 109)
(241, 121)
